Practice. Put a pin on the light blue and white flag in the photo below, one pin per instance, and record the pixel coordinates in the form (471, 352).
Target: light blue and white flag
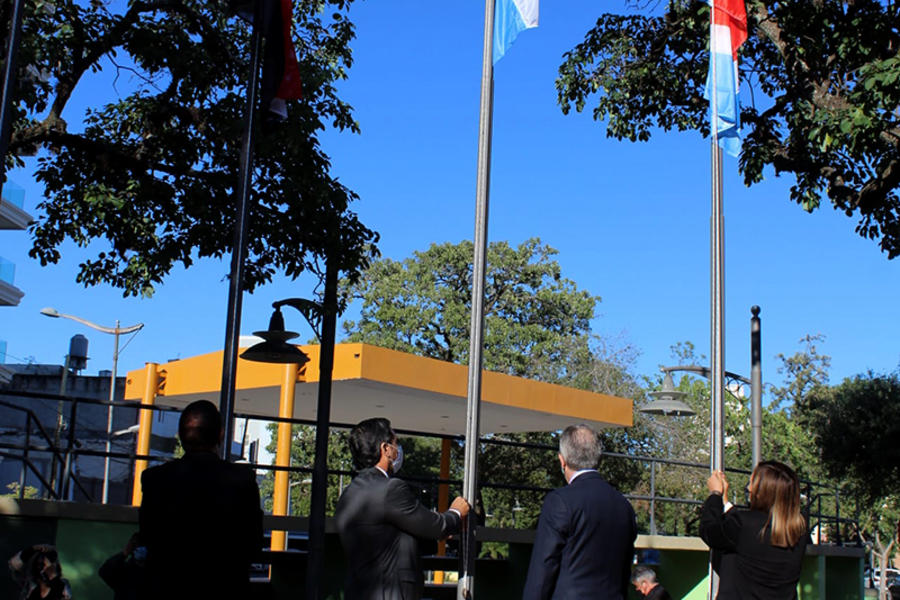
(511, 17)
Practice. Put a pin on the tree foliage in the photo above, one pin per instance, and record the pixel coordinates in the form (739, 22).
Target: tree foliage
(153, 171)
(536, 321)
(537, 325)
(822, 76)
(856, 426)
(303, 445)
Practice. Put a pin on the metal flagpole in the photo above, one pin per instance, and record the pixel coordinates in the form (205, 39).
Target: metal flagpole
(239, 251)
(464, 588)
(717, 288)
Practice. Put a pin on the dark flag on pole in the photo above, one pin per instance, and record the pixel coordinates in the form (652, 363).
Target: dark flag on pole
(281, 70)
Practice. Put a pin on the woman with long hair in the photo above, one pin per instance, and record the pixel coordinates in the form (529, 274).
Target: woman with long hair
(758, 552)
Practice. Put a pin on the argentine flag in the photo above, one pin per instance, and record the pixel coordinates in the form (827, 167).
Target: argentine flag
(511, 17)
(727, 33)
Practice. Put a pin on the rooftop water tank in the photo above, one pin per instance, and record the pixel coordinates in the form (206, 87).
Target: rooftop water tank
(78, 348)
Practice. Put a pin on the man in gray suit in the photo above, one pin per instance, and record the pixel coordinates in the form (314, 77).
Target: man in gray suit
(379, 520)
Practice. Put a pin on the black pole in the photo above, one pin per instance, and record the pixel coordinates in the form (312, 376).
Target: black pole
(9, 80)
(318, 494)
(756, 385)
(70, 445)
(239, 252)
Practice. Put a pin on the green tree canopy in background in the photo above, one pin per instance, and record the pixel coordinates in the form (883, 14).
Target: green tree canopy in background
(533, 315)
(537, 325)
(151, 172)
(823, 92)
(856, 425)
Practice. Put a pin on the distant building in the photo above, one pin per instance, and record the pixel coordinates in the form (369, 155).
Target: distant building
(12, 217)
(90, 430)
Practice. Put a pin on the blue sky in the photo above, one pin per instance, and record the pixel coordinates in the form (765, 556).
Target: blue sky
(630, 221)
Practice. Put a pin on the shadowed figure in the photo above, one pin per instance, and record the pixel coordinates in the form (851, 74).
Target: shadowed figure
(37, 571)
(125, 571)
(200, 516)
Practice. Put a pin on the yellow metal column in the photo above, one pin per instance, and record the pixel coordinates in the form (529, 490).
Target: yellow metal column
(283, 452)
(145, 428)
(443, 499)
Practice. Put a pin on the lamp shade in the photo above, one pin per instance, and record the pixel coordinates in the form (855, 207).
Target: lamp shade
(667, 401)
(274, 348)
(275, 352)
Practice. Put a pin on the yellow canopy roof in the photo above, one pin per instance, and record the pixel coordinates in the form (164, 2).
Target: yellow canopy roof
(415, 393)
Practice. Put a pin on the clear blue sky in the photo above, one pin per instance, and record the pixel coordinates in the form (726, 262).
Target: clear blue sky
(630, 221)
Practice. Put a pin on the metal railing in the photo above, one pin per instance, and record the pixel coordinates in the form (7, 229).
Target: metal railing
(822, 506)
(27, 465)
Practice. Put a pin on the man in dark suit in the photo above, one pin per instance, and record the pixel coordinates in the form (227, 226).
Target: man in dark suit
(584, 543)
(379, 520)
(200, 516)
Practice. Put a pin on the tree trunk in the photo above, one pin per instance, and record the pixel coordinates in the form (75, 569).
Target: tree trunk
(883, 554)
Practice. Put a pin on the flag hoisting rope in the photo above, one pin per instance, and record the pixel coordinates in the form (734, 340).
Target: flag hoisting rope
(512, 16)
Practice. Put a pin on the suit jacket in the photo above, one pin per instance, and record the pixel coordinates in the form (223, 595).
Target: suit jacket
(379, 520)
(749, 567)
(584, 545)
(201, 521)
(658, 593)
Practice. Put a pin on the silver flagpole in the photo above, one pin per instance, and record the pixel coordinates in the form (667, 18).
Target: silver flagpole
(464, 589)
(717, 290)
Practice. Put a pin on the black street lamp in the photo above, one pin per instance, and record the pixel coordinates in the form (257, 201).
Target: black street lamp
(322, 317)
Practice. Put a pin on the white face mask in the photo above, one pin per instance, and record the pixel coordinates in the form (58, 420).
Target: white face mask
(397, 463)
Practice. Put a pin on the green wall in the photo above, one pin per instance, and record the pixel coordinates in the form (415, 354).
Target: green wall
(81, 558)
(85, 543)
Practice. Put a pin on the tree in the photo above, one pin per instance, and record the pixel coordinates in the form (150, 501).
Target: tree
(785, 433)
(856, 426)
(823, 80)
(537, 325)
(803, 372)
(303, 445)
(536, 322)
(153, 172)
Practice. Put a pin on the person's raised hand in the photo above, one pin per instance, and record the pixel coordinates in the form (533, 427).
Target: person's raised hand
(461, 505)
(717, 484)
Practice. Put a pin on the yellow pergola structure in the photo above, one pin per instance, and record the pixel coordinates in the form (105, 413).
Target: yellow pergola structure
(413, 392)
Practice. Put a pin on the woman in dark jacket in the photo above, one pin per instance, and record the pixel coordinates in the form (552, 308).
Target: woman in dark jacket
(759, 551)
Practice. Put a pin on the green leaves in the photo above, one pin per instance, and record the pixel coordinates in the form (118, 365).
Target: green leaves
(857, 424)
(821, 106)
(533, 315)
(152, 175)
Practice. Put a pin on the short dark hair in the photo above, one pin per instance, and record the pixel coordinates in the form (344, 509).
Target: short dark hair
(366, 439)
(580, 445)
(199, 426)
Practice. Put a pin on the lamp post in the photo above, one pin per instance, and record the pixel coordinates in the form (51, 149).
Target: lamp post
(115, 331)
(323, 320)
(667, 401)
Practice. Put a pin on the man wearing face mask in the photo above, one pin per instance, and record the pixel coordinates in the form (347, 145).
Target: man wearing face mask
(380, 520)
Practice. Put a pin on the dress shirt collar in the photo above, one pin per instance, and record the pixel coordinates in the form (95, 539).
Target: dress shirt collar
(579, 473)
(383, 471)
